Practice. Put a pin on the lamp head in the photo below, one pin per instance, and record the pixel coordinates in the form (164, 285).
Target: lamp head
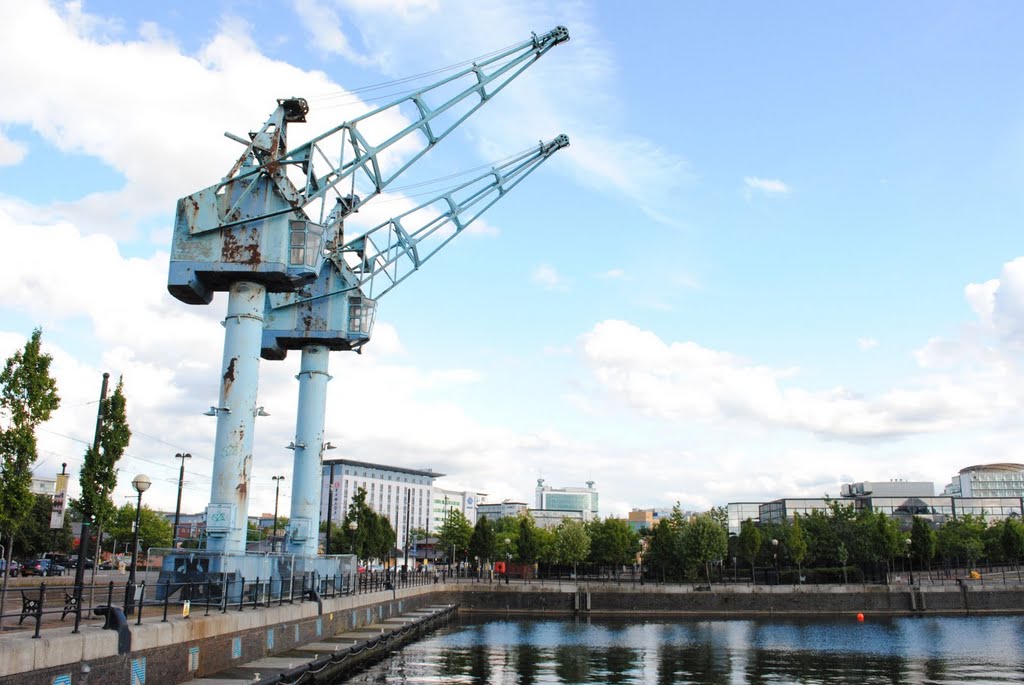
(141, 483)
(352, 525)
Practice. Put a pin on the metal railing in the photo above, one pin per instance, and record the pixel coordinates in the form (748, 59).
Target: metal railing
(139, 601)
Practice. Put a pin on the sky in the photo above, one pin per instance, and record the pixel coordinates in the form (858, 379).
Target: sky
(781, 253)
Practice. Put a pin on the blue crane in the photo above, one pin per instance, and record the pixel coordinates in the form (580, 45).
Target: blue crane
(337, 311)
(243, 234)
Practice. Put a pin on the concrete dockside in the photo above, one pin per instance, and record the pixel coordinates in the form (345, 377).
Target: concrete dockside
(280, 637)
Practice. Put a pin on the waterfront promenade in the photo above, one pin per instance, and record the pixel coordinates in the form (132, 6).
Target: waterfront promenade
(218, 638)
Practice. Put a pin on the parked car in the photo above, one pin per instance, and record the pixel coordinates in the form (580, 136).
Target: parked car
(42, 567)
(108, 565)
(15, 567)
(73, 563)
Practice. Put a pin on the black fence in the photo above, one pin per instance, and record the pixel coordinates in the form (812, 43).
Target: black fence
(133, 601)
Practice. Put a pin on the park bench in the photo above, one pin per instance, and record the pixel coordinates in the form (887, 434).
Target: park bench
(29, 606)
(70, 604)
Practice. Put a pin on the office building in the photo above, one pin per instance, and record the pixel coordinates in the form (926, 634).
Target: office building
(988, 480)
(404, 496)
(497, 510)
(584, 500)
(466, 502)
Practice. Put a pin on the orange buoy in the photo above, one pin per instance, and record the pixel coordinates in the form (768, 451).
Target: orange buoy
(860, 617)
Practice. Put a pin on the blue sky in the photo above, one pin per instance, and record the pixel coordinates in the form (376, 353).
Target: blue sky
(781, 253)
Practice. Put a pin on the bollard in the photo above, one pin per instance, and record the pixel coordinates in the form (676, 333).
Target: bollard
(167, 598)
(142, 602)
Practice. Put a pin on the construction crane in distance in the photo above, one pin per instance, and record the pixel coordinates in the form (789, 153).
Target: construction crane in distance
(337, 311)
(243, 234)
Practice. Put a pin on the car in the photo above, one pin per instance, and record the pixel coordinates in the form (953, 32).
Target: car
(108, 565)
(73, 563)
(42, 567)
(15, 567)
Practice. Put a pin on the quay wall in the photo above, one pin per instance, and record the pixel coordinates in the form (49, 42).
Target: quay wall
(181, 649)
(728, 600)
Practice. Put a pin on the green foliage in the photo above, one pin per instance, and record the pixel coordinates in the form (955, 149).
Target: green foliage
(705, 541)
(35, 536)
(154, 529)
(749, 543)
(796, 541)
(1012, 538)
(922, 542)
(528, 545)
(483, 542)
(961, 539)
(665, 549)
(373, 538)
(28, 396)
(455, 534)
(613, 542)
(98, 476)
(721, 516)
(572, 543)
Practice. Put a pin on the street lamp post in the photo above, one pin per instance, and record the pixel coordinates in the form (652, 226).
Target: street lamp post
(177, 508)
(775, 558)
(352, 527)
(141, 483)
(277, 493)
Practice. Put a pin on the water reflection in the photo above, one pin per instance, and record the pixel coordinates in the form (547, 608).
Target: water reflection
(909, 651)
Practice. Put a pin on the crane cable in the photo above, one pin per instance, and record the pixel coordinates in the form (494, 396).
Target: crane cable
(342, 93)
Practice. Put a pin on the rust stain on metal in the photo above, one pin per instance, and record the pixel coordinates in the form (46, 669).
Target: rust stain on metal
(229, 375)
(243, 482)
(241, 246)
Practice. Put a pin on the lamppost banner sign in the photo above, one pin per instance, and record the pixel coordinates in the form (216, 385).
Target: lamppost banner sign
(59, 502)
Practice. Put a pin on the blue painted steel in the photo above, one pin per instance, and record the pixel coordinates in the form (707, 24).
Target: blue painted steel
(338, 309)
(226, 519)
(304, 524)
(271, 223)
(248, 225)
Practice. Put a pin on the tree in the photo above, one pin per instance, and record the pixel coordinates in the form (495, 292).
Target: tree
(154, 528)
(664, 548)
(572, 543)
(749, 544)
(483, 542)
(35, 535)
(961, 539)
(797, 544)
(613, 542)
(98, 476)
(705, 541)
(527, 545)
(455, 533)
(1012, 538)
(720, 516)
(28, 396)
(922, 543)
(373, 537)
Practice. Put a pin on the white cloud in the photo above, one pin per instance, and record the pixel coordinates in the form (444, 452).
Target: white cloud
(612, 274)
(768, 186)
(325, 27)
(11, 151)
(867, 343)
(547, 277)
(682, 381)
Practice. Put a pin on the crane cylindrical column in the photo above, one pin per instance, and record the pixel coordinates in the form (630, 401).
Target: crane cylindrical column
(307, 478)
(227, 515)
